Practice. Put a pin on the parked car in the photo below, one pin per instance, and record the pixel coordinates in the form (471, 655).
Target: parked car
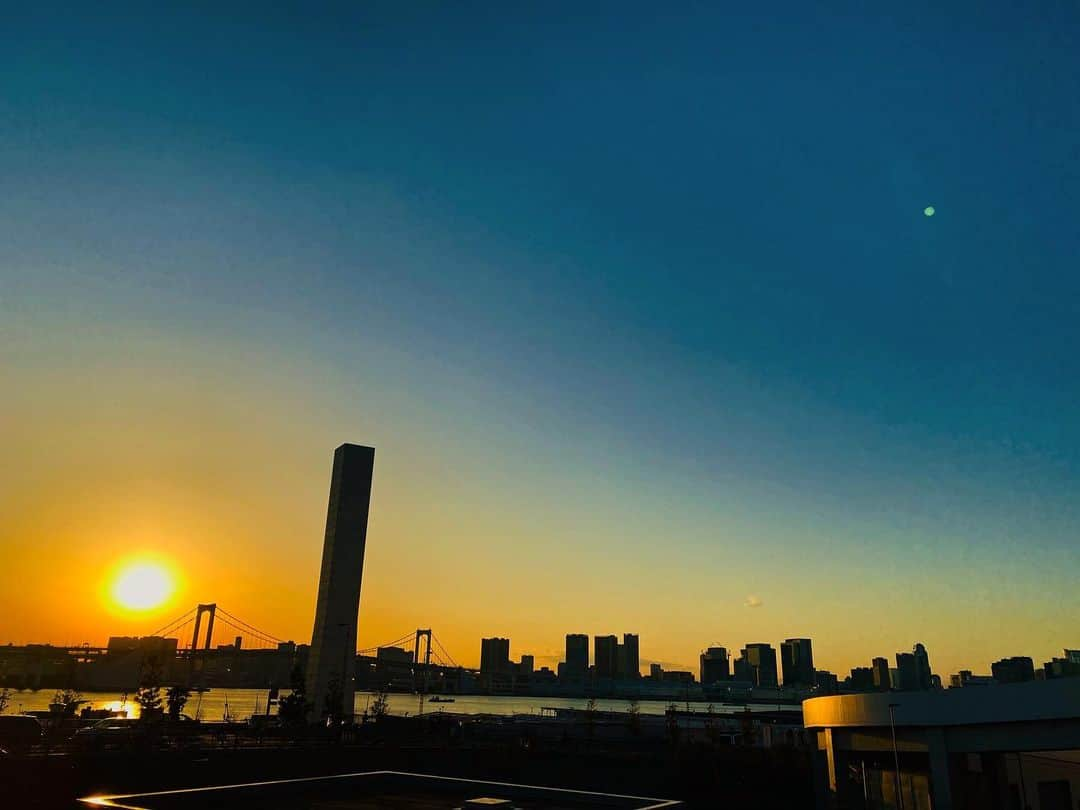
(19, 731)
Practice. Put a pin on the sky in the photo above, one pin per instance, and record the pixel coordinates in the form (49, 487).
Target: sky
(639, 304)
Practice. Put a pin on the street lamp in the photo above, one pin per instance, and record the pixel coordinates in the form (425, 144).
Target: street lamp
(896, 756)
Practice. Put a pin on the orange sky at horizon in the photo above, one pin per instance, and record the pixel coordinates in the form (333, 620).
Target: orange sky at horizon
(463, 537)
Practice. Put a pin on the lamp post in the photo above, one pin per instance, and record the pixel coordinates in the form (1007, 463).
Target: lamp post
(896, 756)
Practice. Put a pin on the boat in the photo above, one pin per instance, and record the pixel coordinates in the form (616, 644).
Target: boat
(438, 699)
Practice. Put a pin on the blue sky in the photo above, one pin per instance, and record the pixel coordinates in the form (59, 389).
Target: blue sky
(679, 252)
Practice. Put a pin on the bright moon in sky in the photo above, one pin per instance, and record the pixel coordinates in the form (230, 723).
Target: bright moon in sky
(929, 210)
(141, 586)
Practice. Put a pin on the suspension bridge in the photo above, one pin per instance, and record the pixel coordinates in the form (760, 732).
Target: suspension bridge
(195, 630)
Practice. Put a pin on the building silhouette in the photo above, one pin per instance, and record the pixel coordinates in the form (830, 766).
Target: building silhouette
(797, 662)
(330, 670)
(1016, 669)
(714, 666)
(965, 677)
(577, 655)
(606, 656)
(861, 679)
(630, 657)
(882, 678)
(907, 679)
(527, 665)
(913, 670)
(1068, 666)
(760, 664)
(922, 667)
(494, 656)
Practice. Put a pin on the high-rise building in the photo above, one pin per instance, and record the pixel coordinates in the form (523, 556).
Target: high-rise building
(907, 678)
(741, 669)
(797, 661)
(913, 670)
(922, 667)
(333, 639)
(656, 672)
(494, 656)
(861, 679)
(714, 666)
(880, 667)
(630, 658)
(1017, 669)
(761, 659)
(526, 665)
(606, 656)
(577, 655)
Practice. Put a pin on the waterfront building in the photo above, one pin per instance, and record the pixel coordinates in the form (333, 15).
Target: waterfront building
(577, 655)
(713, 666)
(797, 662)
(761, 663)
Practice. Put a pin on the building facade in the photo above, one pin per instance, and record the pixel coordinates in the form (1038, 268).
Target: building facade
(714, 666)
(761, 663)
(797, 662)
(494, 656)
(606, 656)
(577, 655)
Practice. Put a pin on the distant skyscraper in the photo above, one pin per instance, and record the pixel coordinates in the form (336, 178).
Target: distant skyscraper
(761, 659)
(913, 670)
(577, 655)
(861, 679)
(1017, 669)
(527, 664)
(741, 669)
(880, 667)
(333, 639)
(922, 667)
(631, 657)
(714, 666)
(797, 660)
(494, 656)
(605, 656)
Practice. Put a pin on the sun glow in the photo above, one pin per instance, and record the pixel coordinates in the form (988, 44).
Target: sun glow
(142, 586)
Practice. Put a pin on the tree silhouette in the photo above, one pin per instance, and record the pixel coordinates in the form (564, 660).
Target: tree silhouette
(175, 699)
(148, 695)
(380, 707)
(294, 707)
(67, 700)
(633, 717)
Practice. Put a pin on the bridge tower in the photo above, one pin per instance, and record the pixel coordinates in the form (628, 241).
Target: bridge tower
(426, 635)
(210, 608)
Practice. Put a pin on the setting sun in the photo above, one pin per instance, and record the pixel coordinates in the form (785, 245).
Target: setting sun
(142, 586)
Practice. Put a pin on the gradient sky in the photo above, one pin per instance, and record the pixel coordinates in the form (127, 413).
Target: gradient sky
(637, 303)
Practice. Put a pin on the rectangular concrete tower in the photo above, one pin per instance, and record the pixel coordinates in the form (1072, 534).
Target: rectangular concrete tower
(333, 641)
